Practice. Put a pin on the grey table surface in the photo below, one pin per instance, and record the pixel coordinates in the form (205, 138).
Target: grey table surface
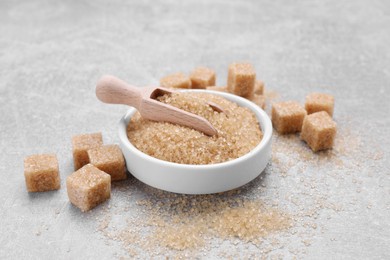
(53, 52)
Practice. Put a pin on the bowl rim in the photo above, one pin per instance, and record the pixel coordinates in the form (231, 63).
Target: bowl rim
(266, 129)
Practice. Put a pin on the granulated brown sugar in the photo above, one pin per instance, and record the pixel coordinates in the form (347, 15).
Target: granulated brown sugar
(238, 132)
(187, 223)
(250, 221)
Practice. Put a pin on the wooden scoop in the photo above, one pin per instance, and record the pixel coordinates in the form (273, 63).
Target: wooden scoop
(112, 90)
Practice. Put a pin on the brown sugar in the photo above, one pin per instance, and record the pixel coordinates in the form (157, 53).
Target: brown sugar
(258, 100)
(41, 172)
(287, 117)
(81, 144)
(238, 132)
(218, 88)
(259, 88)
(88, 187)
(176, 80)
(316, 102)
(109, 158)
(202, 77)
(250, 221)
(319, 131)
(185, 223)
(241, 79)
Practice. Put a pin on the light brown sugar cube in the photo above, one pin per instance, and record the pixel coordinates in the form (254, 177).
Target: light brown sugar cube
(319, 131)
(287, 117)
(259, 87)
(109, 158)
(88, 187)
(81, 144)
(258, 100)
(176, 80)
(217, 88)
(202, 77)
(316, 102)
(41, 172)
(241, 79)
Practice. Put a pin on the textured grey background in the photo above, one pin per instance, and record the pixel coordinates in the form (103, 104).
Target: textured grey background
(53, 52)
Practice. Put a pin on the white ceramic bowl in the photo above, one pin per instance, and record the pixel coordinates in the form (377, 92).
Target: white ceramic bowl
(199, 179)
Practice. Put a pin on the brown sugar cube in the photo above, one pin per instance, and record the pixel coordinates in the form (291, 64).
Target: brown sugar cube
(81, 144)
(176, 80)
(41, 172)
(319, 131)
(258, 100)
(109, 158)
(241, 79)
(316, 102)
(287, 117)
(217, 88)
(259, 87)
(202, 77)
(88, 187)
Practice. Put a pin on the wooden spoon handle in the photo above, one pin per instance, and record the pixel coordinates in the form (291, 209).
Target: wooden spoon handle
(112, 90)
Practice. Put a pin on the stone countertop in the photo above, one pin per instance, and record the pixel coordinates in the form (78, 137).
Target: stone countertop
(53, 52)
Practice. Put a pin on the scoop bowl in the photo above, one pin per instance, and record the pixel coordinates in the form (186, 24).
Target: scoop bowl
(199, 179)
